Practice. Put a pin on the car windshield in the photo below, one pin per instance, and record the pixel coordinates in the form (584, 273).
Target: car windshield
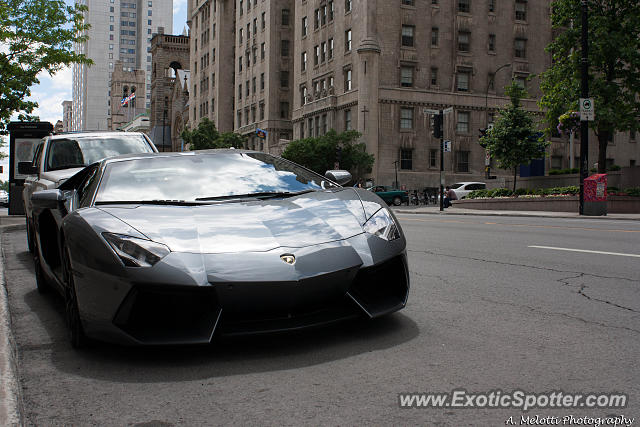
(80, 151)
(204, 177)
(457, 185)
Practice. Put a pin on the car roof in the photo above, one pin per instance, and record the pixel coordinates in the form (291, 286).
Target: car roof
(85, 133)
(468, 182)
(133, 156)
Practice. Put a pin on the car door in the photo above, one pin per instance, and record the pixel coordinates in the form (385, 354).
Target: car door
(31, 182)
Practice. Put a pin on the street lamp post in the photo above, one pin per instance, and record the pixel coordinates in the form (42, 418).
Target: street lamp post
(584, 124)
(491, 78)
(164, 119)
(395, 164)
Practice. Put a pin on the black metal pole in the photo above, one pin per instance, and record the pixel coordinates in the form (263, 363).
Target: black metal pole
(584, 125)
(396, 167)
(441, 119)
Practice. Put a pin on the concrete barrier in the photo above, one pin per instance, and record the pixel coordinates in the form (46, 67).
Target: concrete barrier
(615, 204)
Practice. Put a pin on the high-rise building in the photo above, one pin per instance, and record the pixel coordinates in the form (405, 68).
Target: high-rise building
(120, 30)
(242, 68)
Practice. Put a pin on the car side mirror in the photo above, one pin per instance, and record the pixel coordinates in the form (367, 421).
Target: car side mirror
(48, 199)
(27, 168)
(339, 176)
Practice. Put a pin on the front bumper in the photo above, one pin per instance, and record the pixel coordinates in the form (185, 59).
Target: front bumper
(189, 298)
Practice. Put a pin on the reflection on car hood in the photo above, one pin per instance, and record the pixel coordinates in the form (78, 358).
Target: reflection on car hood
(308, 219)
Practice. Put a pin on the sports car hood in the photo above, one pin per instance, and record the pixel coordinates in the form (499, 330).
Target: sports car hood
(304, 220)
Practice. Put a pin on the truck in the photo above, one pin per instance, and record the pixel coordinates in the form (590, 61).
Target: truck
(391, 196)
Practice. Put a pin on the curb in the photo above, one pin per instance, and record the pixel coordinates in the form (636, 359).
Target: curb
(516, 214)
(10, 398)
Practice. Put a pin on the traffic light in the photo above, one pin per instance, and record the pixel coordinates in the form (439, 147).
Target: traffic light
(437, 126)
(483, 133)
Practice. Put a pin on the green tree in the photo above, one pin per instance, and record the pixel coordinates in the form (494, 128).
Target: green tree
(206, 136)
(514, 140)
(321, 153)
(614, 66)
(37, 36)
(4, 185)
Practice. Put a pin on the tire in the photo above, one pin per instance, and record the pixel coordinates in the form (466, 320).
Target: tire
(30, 244)
(76, 333)
(41, 282)
(397, 201)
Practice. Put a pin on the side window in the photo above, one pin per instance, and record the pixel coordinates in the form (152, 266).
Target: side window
(37, 155)
(87, 187)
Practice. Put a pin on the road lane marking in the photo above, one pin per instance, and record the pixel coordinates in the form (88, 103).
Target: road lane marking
(610, 230)
(585, 251)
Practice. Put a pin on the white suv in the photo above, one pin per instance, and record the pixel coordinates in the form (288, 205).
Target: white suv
(59, 157)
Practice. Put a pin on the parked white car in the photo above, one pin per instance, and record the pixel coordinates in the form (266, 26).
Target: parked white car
(462, 189)
(59, 157)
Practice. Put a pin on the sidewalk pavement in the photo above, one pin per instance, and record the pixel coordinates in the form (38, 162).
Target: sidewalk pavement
(435, 210)
(10, 400)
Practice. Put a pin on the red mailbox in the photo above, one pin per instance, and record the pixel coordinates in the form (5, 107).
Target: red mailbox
(595, 194)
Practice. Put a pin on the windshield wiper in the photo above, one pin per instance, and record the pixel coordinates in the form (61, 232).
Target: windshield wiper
(148, 202)
(261, 195)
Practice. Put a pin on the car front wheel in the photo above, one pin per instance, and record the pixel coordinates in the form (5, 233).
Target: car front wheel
(76, 332)
(397, 201)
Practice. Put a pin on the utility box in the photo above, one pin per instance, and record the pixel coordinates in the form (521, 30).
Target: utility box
(595, 195)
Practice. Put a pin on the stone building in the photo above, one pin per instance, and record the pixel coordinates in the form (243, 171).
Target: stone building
(67, 113)
(124, 105)
(170, 57)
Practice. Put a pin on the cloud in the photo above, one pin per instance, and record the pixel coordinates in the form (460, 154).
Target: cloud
(62, 80)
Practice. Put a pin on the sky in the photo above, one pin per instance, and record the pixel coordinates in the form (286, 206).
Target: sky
(52, 90)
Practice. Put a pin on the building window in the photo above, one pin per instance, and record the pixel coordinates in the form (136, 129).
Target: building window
(261, 111)
(464, 41)
(323, 52)
(406, 76)
(464, 6)
(285, 17)
(520, 48)
(316, 19)
(253, 84)
(347, 41)
(492, 5)
(492, 42)
(462, 126)
(303, 95)
(247, 88)
(330, 43)
(262, 51)
(408, 2)
(491, 78)
(311, 127)
(316, 57)
(263, 21)
(433, 156)
(284, 48)
(435, 33)
(406, 159)
(284, 79)
(347, 6)
(323, 15)
(261, 81)
(521, 10)
(239, 90)
(323, 124)
(463, 81)
(462, 164)
(556, 162)
(521, 81)
(434, 77)
(347, 119)
(347, 80)
(331, 10)
(406, 118)
(303, 61)
(304, 26)
(239, 36)
(240, 63)
(407, 35)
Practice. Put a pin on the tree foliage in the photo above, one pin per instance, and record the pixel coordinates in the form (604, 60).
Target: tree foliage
(206, 136)
(514, 139)
(36, 36)
(614, 66)
(321, 153)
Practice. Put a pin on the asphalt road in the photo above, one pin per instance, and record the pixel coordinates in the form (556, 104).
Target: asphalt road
(487, 311)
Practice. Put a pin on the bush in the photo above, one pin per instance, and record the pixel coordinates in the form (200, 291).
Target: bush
(477, 194)
(502, 192)
(633, 191)
(564, 171)
(521, 191)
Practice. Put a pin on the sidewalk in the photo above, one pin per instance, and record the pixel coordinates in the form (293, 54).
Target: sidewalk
(9, 385)
(435, 210)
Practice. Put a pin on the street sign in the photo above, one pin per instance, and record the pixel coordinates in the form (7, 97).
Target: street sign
(447, 146)
(430, 111)
(447, 110)
(587, 109)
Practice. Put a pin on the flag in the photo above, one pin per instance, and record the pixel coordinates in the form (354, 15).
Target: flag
(262, 134)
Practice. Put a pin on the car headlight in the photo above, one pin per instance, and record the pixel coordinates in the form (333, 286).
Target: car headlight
(136, 252)
(382, 225)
